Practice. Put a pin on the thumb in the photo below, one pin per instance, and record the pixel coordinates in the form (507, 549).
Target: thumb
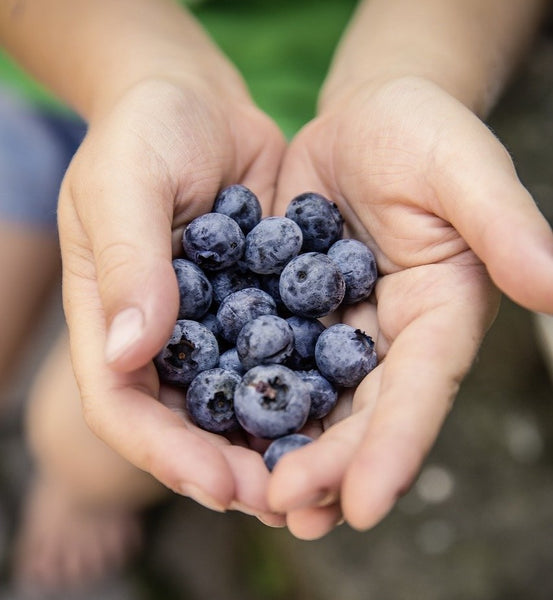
(118, 275)
(500, 221)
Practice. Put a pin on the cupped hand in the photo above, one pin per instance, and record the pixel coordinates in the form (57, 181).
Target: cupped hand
(434, 194)
(145, 169)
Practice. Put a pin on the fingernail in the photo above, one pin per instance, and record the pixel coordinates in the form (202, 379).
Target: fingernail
(234, 505)
(275, 521)
(201, 497)
(126, 327)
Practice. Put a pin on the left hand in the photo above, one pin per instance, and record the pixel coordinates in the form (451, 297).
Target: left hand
(434, 194)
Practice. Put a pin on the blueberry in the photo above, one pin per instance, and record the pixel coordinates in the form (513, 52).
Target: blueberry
(344, 355)
(240, 307)
(195, 292)
(239, 203)
(281, 446)
(311, 285)
(358, 267)
(271, 244)
(319, 220)
(231, 280)
(210, 400)
(306, 331)
(209, 320)
(265, 340)
(270, 284)
(230, 360)
(192, 348)
(213, 241)
(271, 401)
(324, 395)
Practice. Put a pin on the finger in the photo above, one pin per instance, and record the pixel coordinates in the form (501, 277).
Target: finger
(314, 523)
(420, 378)
(497, 217)
(116, 229)
(122, 410)
(250, 475)
(154, 439)
(311, 476)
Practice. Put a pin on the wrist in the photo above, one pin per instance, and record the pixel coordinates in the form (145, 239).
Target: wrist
(468, 48)
(477, 98)
(210, 77)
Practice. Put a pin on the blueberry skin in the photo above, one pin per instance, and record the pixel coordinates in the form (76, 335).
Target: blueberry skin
(230, 360)
(265, 340)
(209, 320)
(240, 204)
(195, 292)
(271, 401)
(281, 446)
(358, 267)
(311, 285)
(272, 243)
(344, 355)
(324, 395)
(232, 279)
(210, 400)
(191, 349)
(270, 284)
(213, 241)
(319, 220)
(240, 307)
(306, 332)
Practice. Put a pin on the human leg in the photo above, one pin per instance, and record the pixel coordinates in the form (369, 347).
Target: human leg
(81, 518)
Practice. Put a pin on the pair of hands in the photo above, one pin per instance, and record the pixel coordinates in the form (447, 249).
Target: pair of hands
(417, 177)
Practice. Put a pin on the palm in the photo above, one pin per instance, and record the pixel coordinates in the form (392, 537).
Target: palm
(156, 162)
(434, 299)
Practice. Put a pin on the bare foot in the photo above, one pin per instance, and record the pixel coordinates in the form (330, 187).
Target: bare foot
(63, 544)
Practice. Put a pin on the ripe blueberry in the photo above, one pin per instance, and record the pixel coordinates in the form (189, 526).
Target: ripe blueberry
(265, 340)
(192, 348)
(306, 331)
(344, 355)
(240, 307)
(271, 401)
(311, 285)
(239, 203)
(281, 446)
(271, 244)
(231, 280)
(324, 395)
(230, 360)
(195, 292)
(213, 241)
(319, 220)
(358, 267)
(210, 400)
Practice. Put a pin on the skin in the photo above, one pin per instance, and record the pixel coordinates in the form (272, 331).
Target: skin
(397, 143)
(393, 152)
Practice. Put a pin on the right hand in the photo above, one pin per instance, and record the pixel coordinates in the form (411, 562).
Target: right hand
(146, 168)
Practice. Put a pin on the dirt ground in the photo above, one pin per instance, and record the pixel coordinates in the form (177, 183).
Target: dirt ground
(478, 523)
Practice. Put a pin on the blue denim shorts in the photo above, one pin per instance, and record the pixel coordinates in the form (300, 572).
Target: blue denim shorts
(36, 146)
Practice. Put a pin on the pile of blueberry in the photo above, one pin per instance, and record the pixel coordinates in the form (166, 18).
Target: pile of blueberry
(248, 346)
